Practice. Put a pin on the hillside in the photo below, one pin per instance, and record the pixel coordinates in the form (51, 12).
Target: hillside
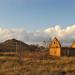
(18, 45)
(13, 44)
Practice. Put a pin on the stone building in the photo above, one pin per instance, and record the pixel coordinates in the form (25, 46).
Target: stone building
(73, 45)
(55, 49)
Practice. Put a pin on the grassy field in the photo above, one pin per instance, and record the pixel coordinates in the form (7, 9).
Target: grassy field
(38, 63)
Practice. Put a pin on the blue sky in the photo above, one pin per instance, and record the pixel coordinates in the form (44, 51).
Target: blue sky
(36, 14)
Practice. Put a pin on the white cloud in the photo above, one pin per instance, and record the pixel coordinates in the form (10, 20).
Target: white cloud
(39, 36)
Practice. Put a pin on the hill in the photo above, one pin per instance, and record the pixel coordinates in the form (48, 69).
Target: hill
(13, 44)
(18, 45)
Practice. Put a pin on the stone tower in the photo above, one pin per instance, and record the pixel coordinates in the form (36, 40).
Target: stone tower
(55, 48)
(73, 44)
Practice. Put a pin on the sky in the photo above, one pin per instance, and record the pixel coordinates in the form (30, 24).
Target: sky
(33, 17)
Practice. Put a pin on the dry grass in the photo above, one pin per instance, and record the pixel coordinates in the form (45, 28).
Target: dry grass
(41, 65)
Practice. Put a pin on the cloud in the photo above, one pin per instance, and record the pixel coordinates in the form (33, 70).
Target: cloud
(9, 33)
(64, 34)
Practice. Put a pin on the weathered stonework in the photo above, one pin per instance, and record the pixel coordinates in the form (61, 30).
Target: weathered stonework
(55, 49)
